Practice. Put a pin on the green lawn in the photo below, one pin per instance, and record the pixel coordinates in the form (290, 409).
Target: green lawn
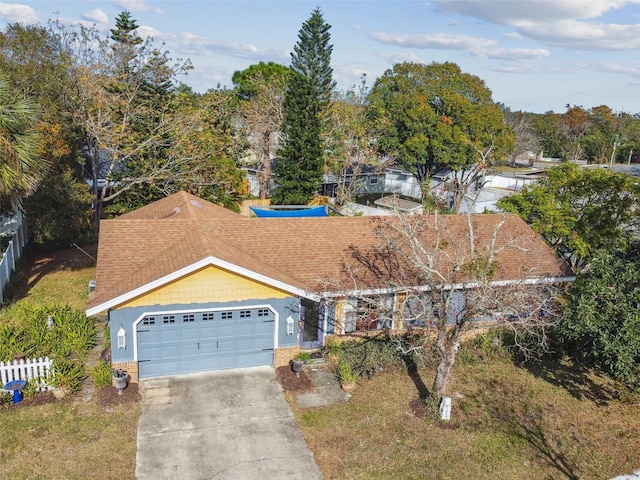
(508, 422)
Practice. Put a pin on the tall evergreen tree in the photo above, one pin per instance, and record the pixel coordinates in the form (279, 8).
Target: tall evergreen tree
(299, 169)
(311, 57)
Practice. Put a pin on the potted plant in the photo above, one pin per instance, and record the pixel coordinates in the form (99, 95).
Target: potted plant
(120, 379)
(348, 377)
(298, 362)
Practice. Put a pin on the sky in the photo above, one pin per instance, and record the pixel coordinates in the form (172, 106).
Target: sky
(534, 55)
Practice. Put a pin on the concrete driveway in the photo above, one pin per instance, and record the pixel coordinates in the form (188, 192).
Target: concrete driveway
(232, 424)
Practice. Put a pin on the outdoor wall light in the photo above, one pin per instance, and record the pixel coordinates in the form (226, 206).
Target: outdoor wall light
(122, 338)
(289, 321)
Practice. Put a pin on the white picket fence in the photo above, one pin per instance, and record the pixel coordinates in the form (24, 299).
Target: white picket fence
(39, 368)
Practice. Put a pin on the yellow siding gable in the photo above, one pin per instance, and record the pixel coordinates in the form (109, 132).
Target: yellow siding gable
(211, 284)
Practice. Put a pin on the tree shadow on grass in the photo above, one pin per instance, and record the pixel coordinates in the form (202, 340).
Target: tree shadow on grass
(531, 429)
(577, 380)
(514, 415)
(33, 266)
(412, 370)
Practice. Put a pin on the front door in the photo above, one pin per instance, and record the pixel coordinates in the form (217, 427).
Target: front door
(312, 316)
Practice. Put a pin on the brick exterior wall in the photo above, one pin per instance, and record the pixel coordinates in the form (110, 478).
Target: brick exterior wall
(130, 367)
(282, 356)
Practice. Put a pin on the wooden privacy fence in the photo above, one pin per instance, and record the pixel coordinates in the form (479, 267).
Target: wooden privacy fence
(39, 368)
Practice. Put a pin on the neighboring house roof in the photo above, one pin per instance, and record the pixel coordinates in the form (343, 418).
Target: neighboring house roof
(181, 234)
(402, 205)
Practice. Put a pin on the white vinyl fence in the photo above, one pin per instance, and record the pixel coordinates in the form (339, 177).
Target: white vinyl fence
(26, 370)
(18, 226)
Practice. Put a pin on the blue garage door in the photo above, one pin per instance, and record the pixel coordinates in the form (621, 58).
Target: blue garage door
(187, 342)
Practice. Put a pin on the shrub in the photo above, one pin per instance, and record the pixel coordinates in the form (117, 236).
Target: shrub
(101, 374)
(303, 357)
(369, 355)
(6, 399)
(347, 375)
(486, 346)
(67, 376)
(72, 333)
(31, 388)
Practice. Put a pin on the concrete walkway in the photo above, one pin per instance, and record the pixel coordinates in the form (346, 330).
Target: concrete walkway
(231, 424)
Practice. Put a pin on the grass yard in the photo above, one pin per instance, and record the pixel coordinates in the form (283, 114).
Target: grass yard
(508, 422)
(81, 436)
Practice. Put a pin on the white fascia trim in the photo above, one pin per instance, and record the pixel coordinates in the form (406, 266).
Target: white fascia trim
(452, 286)
(205, 262)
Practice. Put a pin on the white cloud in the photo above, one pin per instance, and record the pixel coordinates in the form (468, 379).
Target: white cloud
(616, 68)
(16, 13)
(511, 53)
(566, 23)
(585, 36)
(440, 41)
(96, 16)
(191, 44)
(136, 6)
(474, 46)
(510, 12)
(144, 31)
(398, 57)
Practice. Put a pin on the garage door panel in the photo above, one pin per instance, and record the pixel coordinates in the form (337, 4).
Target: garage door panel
(183, 342)
(226, 330)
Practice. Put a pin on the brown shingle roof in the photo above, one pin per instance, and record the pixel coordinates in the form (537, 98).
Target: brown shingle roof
(179, 231)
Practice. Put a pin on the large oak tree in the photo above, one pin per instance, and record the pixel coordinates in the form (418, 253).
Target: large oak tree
(432, 117)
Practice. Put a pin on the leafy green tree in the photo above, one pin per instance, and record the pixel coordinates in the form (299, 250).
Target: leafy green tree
(59, 211)
(547, 128)
(602, 325)
(36, 65)
(579, 211)
(601, 138)
(248, 82)
(430, 117)
(301, 156)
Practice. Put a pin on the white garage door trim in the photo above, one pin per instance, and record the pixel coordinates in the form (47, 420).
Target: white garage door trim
(202, 310)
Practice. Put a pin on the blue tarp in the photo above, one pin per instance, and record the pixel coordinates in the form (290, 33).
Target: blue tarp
(303, 212)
